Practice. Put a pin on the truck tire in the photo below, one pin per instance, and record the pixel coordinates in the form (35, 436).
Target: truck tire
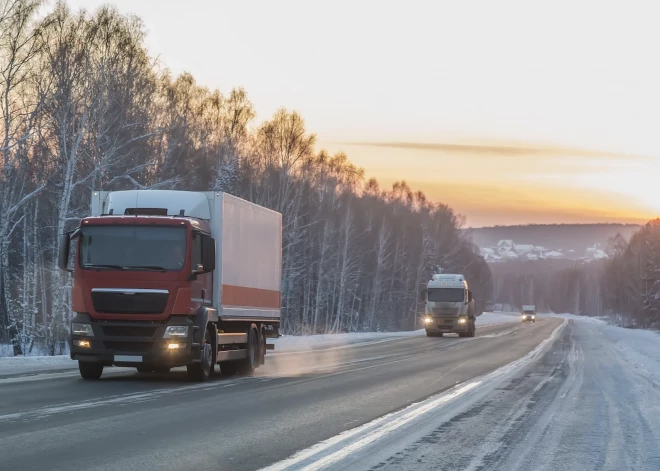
(249, 364)
(201, 371)
(89, 370)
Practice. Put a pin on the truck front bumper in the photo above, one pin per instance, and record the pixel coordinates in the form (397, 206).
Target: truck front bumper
(447, 325)
(125, 343)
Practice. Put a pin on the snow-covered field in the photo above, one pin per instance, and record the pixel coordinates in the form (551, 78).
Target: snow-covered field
(285, 344)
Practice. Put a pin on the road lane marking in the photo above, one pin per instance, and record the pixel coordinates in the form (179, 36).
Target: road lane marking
(131, 398)
(373, 431)
(335, 449)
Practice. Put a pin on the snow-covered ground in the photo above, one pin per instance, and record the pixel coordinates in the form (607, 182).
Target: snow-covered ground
(288, 343)
(34, 364)
(592, 402)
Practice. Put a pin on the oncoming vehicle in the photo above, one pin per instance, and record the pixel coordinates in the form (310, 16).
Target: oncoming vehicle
(163, 279)
(528, 313)
(449, 306)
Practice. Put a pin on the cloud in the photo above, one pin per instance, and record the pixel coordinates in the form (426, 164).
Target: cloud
(478, 149)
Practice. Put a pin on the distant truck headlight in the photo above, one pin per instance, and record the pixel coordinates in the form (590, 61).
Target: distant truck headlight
(176, 331)
(427, 320)
(462, 320)
(533, 317)
(82, 329)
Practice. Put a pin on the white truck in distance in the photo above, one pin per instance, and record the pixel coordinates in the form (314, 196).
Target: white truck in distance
(528, 313)
(449, 307)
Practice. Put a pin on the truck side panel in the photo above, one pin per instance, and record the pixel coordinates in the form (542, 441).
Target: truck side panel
(251, 261)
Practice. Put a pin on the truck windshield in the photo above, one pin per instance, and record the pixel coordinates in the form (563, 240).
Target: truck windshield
(446, 295)
(133, 247)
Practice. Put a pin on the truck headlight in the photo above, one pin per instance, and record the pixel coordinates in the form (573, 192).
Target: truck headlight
(82, 329)
(533, 317)
(176, 331)
(462, 320)
(427, 320)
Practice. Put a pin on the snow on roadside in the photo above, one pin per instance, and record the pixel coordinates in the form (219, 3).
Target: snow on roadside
(594, 320)
(491, 318)
(291, 343)
(285, 344)
(639, 348)
(34, 364)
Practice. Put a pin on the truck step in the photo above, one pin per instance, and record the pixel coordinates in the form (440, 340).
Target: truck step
(270, 346)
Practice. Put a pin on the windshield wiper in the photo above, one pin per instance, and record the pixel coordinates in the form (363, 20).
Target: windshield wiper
(145, 267)
(93, 265)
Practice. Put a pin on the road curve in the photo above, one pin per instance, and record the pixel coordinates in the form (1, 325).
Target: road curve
(130, 421)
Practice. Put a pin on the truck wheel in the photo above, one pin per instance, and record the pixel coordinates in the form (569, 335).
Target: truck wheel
(89, 370)
(464, 334)
(248, 365)
(201, 371)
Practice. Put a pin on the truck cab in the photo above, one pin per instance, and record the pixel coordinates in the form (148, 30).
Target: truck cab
(449, 306)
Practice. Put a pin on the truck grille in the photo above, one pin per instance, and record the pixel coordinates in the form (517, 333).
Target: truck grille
(130, 302)
(128, 331)
(128, 347)
(445, 311)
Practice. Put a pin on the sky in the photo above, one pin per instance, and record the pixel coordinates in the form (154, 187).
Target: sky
(510, 112)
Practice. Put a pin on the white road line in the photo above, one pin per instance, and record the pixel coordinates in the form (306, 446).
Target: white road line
(372, 430)
(339, 447)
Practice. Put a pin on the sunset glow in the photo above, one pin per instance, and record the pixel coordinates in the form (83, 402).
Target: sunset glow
(438, 73)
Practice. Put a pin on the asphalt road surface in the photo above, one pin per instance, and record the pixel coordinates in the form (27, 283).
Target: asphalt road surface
(130, 421)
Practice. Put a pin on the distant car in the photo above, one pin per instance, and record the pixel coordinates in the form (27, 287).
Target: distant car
(528, 316)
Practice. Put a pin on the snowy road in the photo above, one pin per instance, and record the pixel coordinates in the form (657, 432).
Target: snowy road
(532, 396)
(590, 403)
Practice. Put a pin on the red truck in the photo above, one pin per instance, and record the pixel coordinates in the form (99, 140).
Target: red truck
(164, 279)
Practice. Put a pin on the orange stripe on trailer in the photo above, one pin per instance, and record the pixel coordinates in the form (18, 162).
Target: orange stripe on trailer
(252, 297)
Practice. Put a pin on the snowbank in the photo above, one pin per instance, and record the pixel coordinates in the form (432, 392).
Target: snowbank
(285, 344)
(34, 364)
(594, 320)
(492, 318)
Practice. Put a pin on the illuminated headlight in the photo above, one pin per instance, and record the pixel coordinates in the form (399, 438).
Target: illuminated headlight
(462, 320)
(82, 343)
(533, 317)
(428, 320)
(176, 331)
(176, 346)
(82, 329)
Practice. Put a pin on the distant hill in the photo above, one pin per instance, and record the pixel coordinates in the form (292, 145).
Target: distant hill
(564, 237)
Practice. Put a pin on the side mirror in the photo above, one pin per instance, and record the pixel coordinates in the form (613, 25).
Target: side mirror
(199, 269)
(63, 255)
(422, 295)
(208, 254)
